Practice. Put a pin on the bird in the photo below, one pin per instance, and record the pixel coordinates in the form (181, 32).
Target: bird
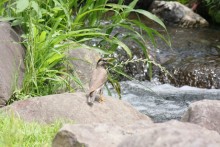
(97, 82)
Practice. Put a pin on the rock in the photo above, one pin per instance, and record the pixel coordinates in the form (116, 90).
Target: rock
(73, 106)
(173, 134)
(176, 13)
(139, 134)
(84, 62)
(203, 72)
(95, 135)
(11, 62)
(205, 113)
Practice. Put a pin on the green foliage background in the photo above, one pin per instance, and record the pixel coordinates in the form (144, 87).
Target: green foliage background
(214, 9)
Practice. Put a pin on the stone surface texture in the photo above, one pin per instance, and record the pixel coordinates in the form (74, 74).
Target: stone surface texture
(173, 134)
(73, 106)
(95, 135)
(139, 134)
(11, 62)
(205, 113)
(177, 13)
(84, 62)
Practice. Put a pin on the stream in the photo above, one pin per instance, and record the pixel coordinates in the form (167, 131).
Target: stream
(193, 61)
(162, 102)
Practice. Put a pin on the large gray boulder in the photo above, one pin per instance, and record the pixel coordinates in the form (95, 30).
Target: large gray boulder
(73, 106)
(173, 134)
(11, 62)
(205, 113)
(177, 13)
(95, 135)
(139, 134)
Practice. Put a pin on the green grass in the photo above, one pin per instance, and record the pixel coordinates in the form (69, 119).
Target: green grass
(14, 132)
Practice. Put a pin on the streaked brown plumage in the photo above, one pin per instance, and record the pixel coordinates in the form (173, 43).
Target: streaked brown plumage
(99, 77)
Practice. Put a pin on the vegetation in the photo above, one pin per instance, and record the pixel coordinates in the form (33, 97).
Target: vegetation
(183, 1)
(15, 132)
(52, 27)
(214, 9)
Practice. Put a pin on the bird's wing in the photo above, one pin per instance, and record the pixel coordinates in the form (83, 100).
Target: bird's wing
(99, 77)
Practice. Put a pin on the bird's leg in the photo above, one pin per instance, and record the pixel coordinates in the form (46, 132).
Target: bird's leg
(90, 98)
(101, 98)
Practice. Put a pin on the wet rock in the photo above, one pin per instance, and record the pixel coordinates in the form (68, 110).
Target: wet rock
(95, 135)
(74, 107)
(11, 62)
(201, 72)
(176, 13)
(83, 62)
(173, 134)
(205, 113)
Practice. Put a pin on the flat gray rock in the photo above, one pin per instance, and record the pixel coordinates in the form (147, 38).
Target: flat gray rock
(11, 62)
(205, 113)
(173, 134)
(139, 134)
(73, 106)
(95, 135)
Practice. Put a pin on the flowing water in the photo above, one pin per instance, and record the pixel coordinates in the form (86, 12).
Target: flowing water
(194, 59)
(162, 102)
(194, 62)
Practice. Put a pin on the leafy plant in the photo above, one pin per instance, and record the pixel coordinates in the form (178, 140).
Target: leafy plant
(52, 27)
(214, 9)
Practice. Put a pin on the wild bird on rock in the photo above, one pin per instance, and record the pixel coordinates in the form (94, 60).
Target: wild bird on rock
(98, 79)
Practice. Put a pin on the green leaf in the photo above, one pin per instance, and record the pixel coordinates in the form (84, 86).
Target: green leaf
(6, 18)
(35, 6)
(115, 84)
(16, 22)
(150, 16)
(34, 30)
(79, 17)
(54, 58)
(43, 36)
(22, 5)
(133, 4)
(124, 46)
